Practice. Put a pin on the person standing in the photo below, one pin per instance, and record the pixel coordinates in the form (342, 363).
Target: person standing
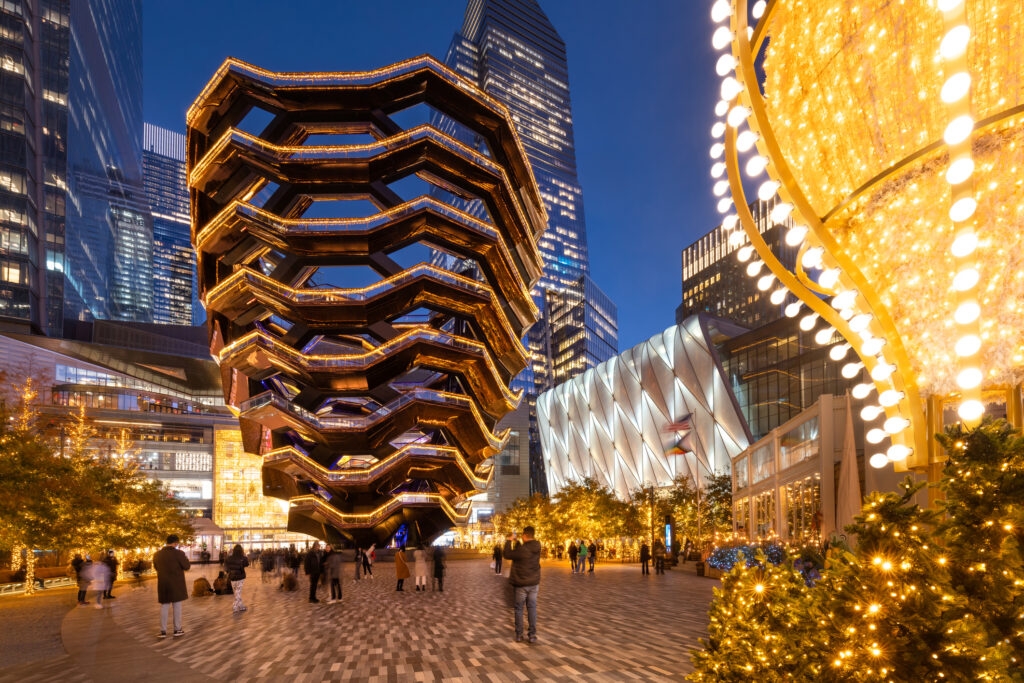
(235, 566)
(401, 568)
(359, 561)
(645, 558)
(439, 568)
(525, 578)
(496, 556)
(659, 557)
(333, 566)
(267, 562)
(313, 568)
(420, 557)
(98, 575)
(573, 554)
(111, 561)
(78, 565)
(171, 564)
(581, 561)
(368, 558)
(592, 555)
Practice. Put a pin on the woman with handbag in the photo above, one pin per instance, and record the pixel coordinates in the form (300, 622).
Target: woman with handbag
(401, 568)
(235, 565)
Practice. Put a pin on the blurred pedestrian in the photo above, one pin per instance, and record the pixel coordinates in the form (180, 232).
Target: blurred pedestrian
(98, 575)
(235, 566)
(439, 568)
(592, 555)
(573, 554)
(78, 566)
(333, 566)
(645, 558)
(313, 568)
(368, 557)
(525, 578)
(420, 557)
(267, 563)
(401, 568)
(496, 557)
(111, 561)
(581, 561)
(659, 557)
(170, 564)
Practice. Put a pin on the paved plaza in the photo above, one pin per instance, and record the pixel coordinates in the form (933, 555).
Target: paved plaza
(613, 625)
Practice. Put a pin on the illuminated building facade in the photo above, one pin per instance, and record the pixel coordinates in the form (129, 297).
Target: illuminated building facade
(511, 51)
(374, 407)
(657, 411)
(174, 262)
(715, 281)
(75, 239)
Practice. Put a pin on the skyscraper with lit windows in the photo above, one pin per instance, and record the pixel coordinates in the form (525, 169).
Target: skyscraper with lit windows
(510, 49)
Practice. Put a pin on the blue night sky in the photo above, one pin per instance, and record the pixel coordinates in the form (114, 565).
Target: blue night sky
(643, 90)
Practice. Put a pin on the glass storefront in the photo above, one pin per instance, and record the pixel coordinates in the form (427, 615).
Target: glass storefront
(764, 514)
(802, 501)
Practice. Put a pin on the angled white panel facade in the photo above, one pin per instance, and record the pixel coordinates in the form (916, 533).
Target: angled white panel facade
(613, 422)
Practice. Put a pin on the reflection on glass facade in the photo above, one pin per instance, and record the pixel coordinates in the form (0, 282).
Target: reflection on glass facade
(715, 281)
(510, 49)
(75, 240)
(174, 281)
(802, 501)
(241, 507)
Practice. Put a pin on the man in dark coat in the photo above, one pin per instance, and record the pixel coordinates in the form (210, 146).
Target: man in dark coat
(496, 556)
(171, 564)
(525, 577)
(314, 567)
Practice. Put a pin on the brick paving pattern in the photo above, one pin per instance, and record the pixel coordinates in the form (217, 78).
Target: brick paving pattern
(614, 625)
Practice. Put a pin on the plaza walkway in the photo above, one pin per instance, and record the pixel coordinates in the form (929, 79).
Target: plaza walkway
(613, 625)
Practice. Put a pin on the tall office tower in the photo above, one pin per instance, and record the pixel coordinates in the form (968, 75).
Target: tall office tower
(715, 281)
(581, 329)
(510, 49)
(74, 230)
(174, 262)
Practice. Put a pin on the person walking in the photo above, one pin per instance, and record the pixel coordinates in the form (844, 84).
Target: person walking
(313, 568)
(573, 554)
(439, 568)
(659, 557)
(235, 566)
(645, 558)
(111, 561)
(592, 555)
(419, 556)
(401, 568)
(78, 565)
(581, 558)
(170, 565)
(333, 566)
(293, 560)
(268, 561)
(496, 556)
(368, 557)
(98, 575)
(525, 579)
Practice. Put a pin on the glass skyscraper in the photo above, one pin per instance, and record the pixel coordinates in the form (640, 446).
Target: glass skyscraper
(510, 49)
(175, 300)
(75, 234)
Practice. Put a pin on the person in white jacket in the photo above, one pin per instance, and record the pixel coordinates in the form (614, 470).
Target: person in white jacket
(420, 556)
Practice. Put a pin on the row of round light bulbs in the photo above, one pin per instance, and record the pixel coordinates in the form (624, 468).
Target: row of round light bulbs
(954, 93)
(734, 115)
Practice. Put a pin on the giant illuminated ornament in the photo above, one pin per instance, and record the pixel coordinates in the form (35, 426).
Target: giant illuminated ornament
(893, 133)
(373, 407)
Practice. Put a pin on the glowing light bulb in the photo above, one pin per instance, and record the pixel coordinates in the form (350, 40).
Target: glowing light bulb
(964, 244)
(862, 390)
(730, 221)
(824, 335)
(793, 309)
(844, 299)
(730, 88)
(737, 115)
(767, 190)
(960, 170)
(737, 238)
(875, 436)
(745, 253)
(721, 37)
(796, 235)
(971, 410)
(860, 322)
(850, 370)
(746, 140)
(954, 43)
(756, 165)
(721, 187)
(898, 451)
(968, 378)
(718, 130)
(958, 129)
(721, 108)
(758, 9)
(895, 425)
(967, 345)
(754, 267)
(872, 346)
(717, 150)
(725, 64)
(720, 11)
(778, 296)
(765, 282)
(869, 413)
(955, 87)
(962, 209)
(966, 279)
(839, 351)
(829, 278)
(780, 212)
(724, 204)
(890, 397)
(878, 461)
(807, 322)
(967, 312)
(812, 257)
(882, 371)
